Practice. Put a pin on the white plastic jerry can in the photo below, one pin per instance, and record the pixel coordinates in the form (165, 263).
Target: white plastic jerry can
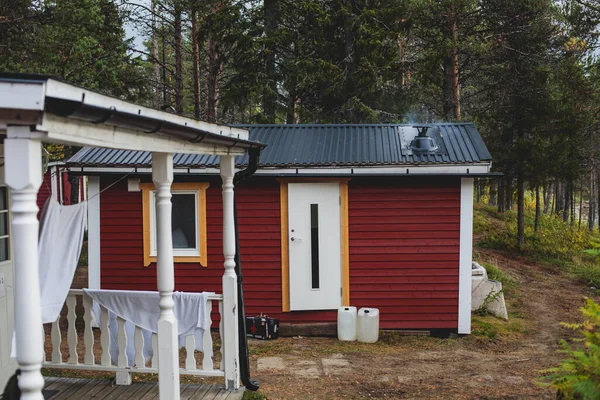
(368, 325)
(346, 326)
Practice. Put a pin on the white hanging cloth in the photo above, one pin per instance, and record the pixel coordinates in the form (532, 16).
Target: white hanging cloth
(141, 308)
(61, 238)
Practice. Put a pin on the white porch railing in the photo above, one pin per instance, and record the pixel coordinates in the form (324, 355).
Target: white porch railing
(56, 359)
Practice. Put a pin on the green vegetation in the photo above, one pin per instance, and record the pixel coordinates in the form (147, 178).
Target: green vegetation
(490, 327)
(509, 285)
(556, 244)
(578, 376)
(248, 395)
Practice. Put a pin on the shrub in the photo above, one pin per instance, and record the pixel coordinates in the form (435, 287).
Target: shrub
(578, 376)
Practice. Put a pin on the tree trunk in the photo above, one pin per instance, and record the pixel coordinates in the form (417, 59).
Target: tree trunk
(270, 89)
(554, 201)
(402, 60)
(566, 202)
(155, 66)
(352, 116)
(559, 198)
(213, 73)
(537, 209)
(501, 202)
(508, 195)
(572, 200)
(212, 81)
(293, 110)
(477, 190)
(164, 67)
(597, 170)
(493, 200)
(520, 209)
(451, 71)
(178, 60)
(196, 64)
(592, 202)
(547, 197)
(580, 202)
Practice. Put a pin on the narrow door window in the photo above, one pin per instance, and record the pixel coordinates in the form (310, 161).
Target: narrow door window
(4, 247)
(314, 244)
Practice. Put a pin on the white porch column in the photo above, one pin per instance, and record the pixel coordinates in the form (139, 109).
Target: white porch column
(168, 352)
(23, 169)
(230, 319)
(93, 222)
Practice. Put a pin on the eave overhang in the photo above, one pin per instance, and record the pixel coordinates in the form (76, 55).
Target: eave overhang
(69, 114)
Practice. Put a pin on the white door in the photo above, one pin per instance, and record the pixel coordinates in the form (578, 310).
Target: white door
(314, 246)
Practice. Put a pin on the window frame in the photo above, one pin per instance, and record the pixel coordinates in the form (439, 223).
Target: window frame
(197, 255)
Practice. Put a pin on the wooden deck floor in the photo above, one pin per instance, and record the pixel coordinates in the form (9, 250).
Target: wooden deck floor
(74, 388)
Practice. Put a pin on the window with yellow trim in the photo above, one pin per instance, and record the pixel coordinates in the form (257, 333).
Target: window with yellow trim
(188, 220)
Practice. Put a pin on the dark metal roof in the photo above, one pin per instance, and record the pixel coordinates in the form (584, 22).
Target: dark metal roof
(322, 146)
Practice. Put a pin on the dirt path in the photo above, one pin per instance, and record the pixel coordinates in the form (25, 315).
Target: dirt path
(426, 368)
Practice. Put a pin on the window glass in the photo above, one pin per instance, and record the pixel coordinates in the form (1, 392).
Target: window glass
(3, 198)
(4, 249)
(3, 223)
(184, 220)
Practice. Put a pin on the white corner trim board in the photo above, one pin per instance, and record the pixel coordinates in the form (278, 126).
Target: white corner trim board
(466, 255)
(94, 232)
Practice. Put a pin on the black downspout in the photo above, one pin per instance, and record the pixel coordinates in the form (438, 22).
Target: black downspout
(254, 157)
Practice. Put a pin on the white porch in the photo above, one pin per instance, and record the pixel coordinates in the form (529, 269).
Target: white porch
(98, 389)
(34, 110)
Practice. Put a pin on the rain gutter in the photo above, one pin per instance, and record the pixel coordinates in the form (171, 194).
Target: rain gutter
(240, 176)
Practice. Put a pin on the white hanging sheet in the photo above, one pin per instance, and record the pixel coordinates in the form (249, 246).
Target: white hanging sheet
(141, 308)
(61, 238)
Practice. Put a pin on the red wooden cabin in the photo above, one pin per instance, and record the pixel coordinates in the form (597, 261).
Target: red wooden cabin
(364, 215)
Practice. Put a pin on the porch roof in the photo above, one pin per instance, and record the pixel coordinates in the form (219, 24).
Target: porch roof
(69, 114)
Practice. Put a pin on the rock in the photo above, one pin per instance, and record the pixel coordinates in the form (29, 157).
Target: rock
(270, 364)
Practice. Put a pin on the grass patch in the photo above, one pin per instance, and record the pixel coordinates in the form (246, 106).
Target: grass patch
(494, 328)
(248, 395)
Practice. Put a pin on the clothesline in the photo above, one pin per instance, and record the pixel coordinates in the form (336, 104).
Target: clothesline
(53, 174)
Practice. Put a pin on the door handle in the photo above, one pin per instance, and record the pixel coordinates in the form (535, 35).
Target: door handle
(293, 239)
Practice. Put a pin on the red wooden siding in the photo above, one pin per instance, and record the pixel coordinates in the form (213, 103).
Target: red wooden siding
(404, 251)
(52, 173)
(44, 191)
(404, 245)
